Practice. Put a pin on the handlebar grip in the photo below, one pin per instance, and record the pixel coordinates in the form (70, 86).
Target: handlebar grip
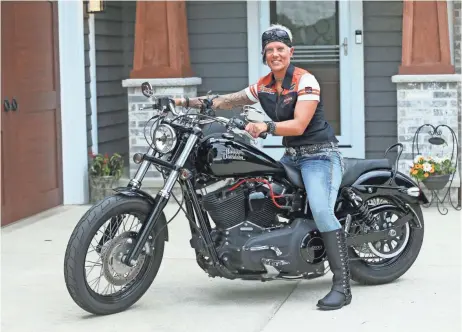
(241, 125)
(152, 107)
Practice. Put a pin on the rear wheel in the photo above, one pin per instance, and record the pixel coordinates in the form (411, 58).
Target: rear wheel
(382, 262)
(95, 277)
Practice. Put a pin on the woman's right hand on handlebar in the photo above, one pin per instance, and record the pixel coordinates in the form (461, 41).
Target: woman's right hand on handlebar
(255, 129)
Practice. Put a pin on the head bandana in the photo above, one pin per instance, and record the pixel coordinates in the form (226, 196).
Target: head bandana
(276, 35)
(273, 36)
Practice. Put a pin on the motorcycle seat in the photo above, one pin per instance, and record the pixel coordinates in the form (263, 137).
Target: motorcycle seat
(293, 175)
(354, 168)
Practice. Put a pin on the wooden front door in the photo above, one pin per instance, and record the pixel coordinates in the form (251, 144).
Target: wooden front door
(31, 125)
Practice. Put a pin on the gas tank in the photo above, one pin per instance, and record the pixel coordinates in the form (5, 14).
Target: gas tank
(223, 157)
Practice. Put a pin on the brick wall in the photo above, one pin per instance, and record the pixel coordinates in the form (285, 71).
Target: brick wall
(457, 12)
(421, 103)
(434, 103)
(138, 118)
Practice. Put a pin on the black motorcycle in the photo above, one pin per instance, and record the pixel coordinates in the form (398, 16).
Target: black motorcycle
(248, 214)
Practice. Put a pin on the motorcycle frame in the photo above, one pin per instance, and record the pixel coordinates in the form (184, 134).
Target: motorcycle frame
(373, 183)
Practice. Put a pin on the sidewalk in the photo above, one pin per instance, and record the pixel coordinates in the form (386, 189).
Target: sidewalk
(183, 298)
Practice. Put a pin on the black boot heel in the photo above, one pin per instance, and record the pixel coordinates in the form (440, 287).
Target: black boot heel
(337, 255)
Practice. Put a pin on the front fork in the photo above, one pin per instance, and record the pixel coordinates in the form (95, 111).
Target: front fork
(162, 197)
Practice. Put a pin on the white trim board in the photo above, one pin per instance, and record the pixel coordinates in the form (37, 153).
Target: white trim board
(93, 92)
(73, 115)
(353, 118)
(450, 11)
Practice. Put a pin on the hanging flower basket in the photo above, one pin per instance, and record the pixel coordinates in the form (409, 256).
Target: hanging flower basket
(433, 172)
(436, 182)
(105, 173)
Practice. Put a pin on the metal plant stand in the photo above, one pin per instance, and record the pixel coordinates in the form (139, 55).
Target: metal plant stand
(437, 183)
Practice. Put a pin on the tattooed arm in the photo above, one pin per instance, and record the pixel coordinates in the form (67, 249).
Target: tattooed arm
(223, 102)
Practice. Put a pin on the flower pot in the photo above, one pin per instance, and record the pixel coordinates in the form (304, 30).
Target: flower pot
(436, 182)
(101, 187)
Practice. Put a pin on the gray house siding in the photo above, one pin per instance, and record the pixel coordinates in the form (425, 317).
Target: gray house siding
(218, 45)
(218, 53)
(87, 81)
(382, 57)
(114, 32)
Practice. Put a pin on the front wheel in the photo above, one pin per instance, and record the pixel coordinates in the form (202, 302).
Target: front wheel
(382, 262)
(95, 277)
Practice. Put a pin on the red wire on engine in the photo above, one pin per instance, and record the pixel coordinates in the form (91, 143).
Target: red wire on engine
(273, 197)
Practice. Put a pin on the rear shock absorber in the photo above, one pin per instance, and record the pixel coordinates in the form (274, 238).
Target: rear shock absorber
(359, 205)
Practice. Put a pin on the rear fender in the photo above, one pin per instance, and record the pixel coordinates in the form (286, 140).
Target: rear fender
(135, 192)
(379, 182)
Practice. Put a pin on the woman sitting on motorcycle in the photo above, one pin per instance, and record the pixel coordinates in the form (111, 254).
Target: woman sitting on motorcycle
(291, 97)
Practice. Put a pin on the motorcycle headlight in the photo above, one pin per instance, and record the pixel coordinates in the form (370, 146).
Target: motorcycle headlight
(164, 138)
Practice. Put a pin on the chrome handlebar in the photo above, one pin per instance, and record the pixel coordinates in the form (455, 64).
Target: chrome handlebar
(161, 105)
(234, 125)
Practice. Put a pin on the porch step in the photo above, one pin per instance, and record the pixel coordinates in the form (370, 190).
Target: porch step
(153, 186)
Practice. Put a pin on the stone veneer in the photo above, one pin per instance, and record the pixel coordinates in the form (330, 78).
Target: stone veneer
(428, 99)
(457, 12)
(173, 87)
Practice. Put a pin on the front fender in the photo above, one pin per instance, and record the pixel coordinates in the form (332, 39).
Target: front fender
(378, 180)
(134, 192)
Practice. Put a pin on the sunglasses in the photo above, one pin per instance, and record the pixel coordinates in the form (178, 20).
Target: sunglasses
(275, 33)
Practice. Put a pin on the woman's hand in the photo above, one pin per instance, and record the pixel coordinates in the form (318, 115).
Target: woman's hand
(179, 101)
(194, 102)
(255, 129)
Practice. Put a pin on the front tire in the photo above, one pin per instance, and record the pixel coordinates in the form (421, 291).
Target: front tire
(80, 241)
(368, 274)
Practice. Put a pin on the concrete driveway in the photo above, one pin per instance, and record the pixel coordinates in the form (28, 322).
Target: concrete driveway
(183, 298)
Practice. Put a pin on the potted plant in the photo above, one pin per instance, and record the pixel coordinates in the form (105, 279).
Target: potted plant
(434, 172)
(105, 173)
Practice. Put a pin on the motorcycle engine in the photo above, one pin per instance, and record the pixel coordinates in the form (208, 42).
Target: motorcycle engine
(249, 237)
(231, 205)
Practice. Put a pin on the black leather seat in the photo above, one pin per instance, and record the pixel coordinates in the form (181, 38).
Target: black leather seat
(355, 167)
(353, 170)
(293, 175)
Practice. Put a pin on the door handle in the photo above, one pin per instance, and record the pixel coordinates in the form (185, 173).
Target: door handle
(6, 105)
(14, 104)
(345, 46)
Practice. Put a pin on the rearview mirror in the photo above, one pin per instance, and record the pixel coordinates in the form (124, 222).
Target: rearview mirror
(146, 89)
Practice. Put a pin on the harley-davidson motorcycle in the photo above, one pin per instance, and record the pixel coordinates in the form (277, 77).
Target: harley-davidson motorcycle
(248, 214)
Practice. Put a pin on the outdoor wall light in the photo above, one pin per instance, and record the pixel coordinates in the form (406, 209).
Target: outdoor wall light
(95, 6)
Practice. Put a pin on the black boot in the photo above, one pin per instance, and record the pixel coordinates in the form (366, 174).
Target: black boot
(337, 254)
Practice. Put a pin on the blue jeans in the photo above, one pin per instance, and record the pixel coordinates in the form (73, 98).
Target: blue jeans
(322, 174)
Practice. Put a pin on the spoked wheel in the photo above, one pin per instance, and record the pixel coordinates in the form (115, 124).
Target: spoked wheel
(392, 247)
(104, 271)
(384, 261)
(95, 276)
